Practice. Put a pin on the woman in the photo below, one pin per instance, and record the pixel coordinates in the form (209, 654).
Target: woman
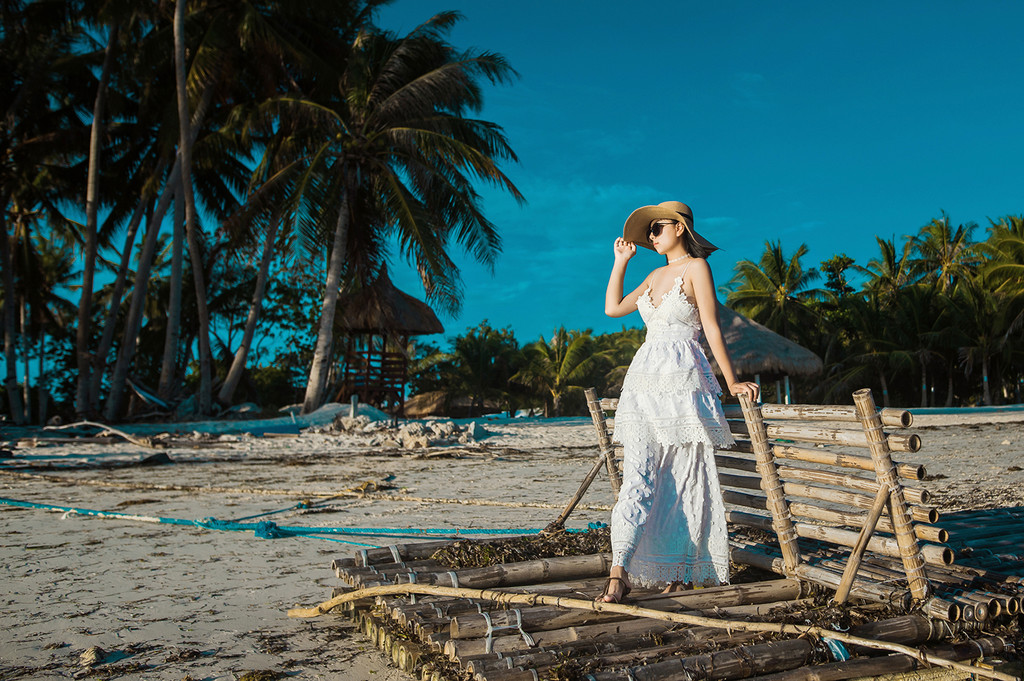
(668, 525)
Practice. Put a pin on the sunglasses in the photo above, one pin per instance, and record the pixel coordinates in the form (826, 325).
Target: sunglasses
(655, 229)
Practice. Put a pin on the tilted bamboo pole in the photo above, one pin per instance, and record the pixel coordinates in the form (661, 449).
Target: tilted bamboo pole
(913, 562)
(861, 545)
(602, 461)
(471, 624)
(459, 650)
(604, 441)
(674, 618)
(782, 521)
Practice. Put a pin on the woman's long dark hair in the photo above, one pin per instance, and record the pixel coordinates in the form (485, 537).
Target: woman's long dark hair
(695, 249)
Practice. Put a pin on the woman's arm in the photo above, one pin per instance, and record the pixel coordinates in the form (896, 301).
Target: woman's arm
(615, 305)
(699, 276)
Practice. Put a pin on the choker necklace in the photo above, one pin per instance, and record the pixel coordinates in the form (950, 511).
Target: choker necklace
(682, 257)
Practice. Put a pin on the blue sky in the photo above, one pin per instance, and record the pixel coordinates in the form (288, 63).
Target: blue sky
(804, 122)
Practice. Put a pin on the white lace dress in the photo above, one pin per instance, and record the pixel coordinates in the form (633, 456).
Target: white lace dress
(669, 521)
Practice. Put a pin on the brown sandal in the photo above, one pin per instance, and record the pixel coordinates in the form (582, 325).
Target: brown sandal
(620, 598)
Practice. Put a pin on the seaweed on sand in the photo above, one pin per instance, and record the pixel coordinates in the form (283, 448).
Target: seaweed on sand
(471, 554)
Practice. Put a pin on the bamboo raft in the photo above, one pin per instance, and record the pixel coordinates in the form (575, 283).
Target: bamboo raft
(839, 547)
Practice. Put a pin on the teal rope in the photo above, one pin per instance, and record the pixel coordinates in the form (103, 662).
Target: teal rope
(269, 530)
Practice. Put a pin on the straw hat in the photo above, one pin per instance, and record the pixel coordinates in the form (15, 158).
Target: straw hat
(640, 220)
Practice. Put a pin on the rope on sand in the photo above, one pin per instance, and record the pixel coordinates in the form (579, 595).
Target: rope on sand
(353, 494)
(269, 530)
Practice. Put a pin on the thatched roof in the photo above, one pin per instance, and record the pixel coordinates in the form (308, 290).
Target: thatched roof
(383, 309)
(755, 349)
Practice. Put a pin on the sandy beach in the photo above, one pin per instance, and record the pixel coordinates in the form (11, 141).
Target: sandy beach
(181, 601)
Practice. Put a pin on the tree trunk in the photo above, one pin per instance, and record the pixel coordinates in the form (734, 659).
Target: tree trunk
(191, 226)
(986, 394)
(924, 383)
(325, 336)
(10, 332)
(99, 360)
(949, 386)
(25, 388)
(168, 371)
(227, 391)
(129, 339)
(91, 209)
(42, 394)
(134, 321)
(885, 388)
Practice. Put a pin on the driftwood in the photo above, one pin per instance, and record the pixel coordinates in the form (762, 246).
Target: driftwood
(141, 441)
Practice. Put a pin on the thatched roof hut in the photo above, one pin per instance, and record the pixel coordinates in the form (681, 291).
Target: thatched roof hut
(376, 371)
(382, 309)
(757, 350)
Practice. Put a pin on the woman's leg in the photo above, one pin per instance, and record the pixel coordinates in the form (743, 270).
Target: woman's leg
(630, 513)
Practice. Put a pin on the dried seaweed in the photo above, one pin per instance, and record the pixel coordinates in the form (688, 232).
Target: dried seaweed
(472, 554)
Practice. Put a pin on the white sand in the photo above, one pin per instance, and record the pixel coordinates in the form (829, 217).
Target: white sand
(183, 602)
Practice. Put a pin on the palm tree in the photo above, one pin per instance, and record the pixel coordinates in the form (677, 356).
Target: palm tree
(775, 291)
(484, 360)
(396, 156)
(38, 136)
(556, 367)
(890, 273)
(945, 254)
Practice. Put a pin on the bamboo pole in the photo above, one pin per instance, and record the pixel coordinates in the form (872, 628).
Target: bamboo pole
(851, 482)
(913, 562)
(735, 463)
(559, 522)
(782, 521)
(927, 533)
(877, 666)
(908, 471)
(926, 514)
(518, 574)
(674, 618)
(897, 442)
(605, 651)
(932, 553)
(546, 618)
(734, 663)
(897, 418)
(861, 545)
(604, 441)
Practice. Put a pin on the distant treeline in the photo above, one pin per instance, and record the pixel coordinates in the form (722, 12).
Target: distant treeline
(938, 321)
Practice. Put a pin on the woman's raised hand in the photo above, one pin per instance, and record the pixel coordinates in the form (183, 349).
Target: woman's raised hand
(751, 390)
(624, 250)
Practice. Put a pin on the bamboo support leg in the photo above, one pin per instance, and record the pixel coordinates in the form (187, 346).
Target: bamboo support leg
(559, 522)
(782, 521)
(857, 553)
(913, 561)
(603, 439)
